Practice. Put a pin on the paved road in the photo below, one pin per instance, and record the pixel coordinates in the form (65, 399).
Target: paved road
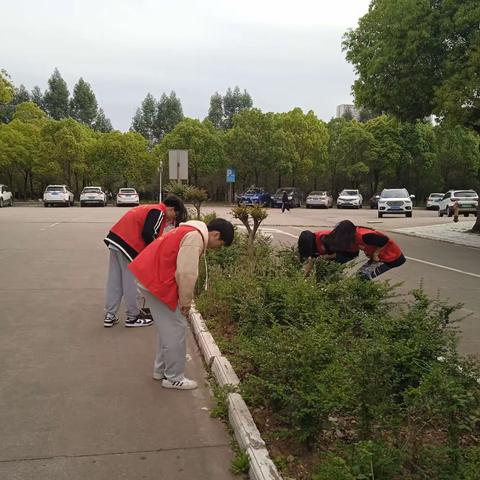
(77, 401)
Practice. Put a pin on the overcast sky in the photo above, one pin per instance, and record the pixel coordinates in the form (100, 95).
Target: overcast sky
(285, 53)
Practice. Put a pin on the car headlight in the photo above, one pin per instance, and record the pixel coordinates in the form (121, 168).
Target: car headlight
(290, 198)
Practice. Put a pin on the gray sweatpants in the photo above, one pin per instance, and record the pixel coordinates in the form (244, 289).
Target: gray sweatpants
(171, 346)
(121, 283)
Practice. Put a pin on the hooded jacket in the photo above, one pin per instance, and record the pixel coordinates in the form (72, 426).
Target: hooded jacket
(168, 267)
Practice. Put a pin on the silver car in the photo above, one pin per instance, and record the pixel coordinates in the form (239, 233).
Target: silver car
(320, 199)
(127, 196)
(93, 196)
(350, 199)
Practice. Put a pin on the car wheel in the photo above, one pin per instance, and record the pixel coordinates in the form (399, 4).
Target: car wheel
(408, 215)
(466, 214)
(440, 213)
(449, 212)
(380, 215)
(11, 201)
(1, 202)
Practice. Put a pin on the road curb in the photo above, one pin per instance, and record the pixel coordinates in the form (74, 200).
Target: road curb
(239, 416)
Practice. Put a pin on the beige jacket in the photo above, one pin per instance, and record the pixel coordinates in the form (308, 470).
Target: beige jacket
(191, 248)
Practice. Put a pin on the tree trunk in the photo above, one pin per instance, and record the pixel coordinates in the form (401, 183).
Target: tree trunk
(25, 182)
(31, 185)
(279, 180)
(315, 182)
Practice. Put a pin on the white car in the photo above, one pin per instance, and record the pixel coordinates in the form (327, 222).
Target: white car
(433, 200)
(467, 202)
(319, 199)
(350, 198)
(395, 201)
(127, 196)
(58, 195)
(93, 196)
(6, 196)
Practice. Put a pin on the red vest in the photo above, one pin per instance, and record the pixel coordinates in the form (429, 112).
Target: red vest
(318, 241)
(389, 253)
(129, 227)
(156, 266)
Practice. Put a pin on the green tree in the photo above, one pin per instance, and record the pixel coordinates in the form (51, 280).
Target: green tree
(235, 101)
(83, 105)
(7, 111)
(215, 112)
(204, 145)
(6, 87)
(56, 97)
(144, 120)
(169, 114)
(102, 123)
(37, 97)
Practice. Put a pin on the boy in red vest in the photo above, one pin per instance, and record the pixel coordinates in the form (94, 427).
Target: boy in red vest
(310, 246)
(127, 238)
(167, 271)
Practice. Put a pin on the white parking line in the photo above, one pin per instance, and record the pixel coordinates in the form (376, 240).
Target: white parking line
(50, 226)
(476, 275)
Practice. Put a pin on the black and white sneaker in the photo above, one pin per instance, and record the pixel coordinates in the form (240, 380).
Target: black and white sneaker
(185, 384)
(146, 313)
(110, 320)
(138, 321)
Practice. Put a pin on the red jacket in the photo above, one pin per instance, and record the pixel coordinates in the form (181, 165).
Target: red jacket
(156, 266)
(318, 241)
(389, 253)
(126, 234)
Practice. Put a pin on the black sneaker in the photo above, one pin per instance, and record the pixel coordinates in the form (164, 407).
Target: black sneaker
(139, 321)
(146, 312)
(110, 320)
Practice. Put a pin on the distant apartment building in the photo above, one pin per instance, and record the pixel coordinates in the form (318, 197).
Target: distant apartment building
(348, 109)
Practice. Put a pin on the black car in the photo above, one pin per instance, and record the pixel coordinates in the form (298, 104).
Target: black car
(374, 201)
(295, 197)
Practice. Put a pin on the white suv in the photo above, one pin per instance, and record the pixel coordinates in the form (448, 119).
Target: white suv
(395, 201)
(57, 194)
(350, 198)
(93, 196)
(6, 196)
(467, 202)
(127, 196)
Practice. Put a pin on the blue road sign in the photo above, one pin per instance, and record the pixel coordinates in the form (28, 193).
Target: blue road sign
(231, 174)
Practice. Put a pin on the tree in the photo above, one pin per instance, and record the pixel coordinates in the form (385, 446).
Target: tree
(414, 57)
(169, 114)
(28, 112)
(56, 97)
(215, 112)
(37, 97)
(234, 102)
(205, 149)
(144, 120)
(7, 111)
(251, 217)
(102, 123)
(6, 88)
(83, 105)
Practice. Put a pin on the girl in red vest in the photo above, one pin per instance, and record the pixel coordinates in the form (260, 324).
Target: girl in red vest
(127, 238)
(167, 271)
(383, 253)
(311, 245)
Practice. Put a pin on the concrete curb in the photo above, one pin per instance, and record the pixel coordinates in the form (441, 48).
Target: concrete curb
(239, 416)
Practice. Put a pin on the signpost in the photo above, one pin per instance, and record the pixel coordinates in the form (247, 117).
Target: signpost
(178, 165)
(231, 178)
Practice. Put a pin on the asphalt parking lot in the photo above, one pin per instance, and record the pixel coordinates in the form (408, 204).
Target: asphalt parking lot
(78, 401)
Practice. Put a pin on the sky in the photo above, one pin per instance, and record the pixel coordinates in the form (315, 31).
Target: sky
(286, 54)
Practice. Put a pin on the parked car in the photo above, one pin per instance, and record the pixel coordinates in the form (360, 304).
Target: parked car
(58, 195)
(127, 196)
(6, 196)
(93, 196)
(320, 198)
(374, 201)
(433, 200)
(255, 196)
(467, 202)
(295, 197)
(396, 201)
(350, 198)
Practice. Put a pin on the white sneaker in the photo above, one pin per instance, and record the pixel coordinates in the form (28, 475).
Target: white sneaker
(185, 384)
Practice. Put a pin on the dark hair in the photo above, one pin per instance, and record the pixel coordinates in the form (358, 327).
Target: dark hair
(224, 227)
(341, 238)
(306, 245)
(181, 214)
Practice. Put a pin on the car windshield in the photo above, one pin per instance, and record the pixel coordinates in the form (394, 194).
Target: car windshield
(54, 189)
(349, 192)
(322, 194)
(91, 190)
(465, 194)
(127, 190)
(436, 195)
(281, 190)
(400, 193)
(252, 191)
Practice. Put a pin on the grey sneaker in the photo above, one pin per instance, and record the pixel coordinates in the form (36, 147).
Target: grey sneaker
(185, 384)
(110, 320)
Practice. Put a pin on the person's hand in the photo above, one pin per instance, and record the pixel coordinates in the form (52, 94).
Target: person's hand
(185, 311)
(375, 257)
(307, 270)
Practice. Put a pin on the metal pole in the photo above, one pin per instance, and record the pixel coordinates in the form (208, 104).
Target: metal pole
(160, 192)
